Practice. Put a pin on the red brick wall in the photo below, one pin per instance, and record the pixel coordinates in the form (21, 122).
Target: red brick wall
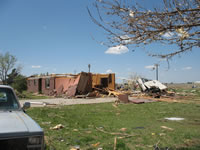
(65, 81)
(33, 86)
(46, 90)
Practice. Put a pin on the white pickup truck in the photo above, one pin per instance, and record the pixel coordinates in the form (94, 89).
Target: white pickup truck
(17, 130)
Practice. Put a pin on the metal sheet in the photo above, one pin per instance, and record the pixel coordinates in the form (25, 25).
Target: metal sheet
(85, 83)
(123, 98)
(155, 83)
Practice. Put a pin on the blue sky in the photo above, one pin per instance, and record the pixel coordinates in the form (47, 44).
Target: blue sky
(55, 36)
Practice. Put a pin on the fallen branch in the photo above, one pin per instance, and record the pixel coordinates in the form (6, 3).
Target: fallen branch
(116, 133)
(115, 143)
(128, 136)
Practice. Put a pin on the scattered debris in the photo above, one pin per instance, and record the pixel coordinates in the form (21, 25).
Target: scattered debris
(88, 132)
(175, 119)
(153, 134)
(124, 98)
(117, 114)
(115, 143)
(93, 94)
(140, 101)
(113, 133)
(57, 127)
(123, 129)
(114, 105)
(112, 92)
(46, 123)
(164, 127)
(156, 147)
(75, 130)
(81, 96)
(155, 83)
(41, 103)
(95, 145)
(162, 134)
(46, 139)
(77, 147)
(88, 85)
(153, 88)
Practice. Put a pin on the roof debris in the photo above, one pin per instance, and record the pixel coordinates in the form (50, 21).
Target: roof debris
(57, 127)
(175, 119)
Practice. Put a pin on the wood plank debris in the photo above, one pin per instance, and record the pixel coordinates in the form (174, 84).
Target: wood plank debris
(57, 127)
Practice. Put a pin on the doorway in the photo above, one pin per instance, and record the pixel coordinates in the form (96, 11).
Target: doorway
(104, 82)
(40, 85)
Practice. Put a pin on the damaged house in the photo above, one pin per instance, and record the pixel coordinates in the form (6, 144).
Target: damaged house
(103, 81)
(69, 84)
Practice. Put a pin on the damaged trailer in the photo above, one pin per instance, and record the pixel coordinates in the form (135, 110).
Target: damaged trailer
(69, 84)
(55, 85)
(153, 87)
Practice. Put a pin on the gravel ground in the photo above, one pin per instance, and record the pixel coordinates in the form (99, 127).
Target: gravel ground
(62, 101)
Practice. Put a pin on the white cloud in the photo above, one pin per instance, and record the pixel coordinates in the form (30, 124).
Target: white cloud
(109, 71)
(187, 68)
(36, 67)
(120, 49)
(168, 34)
(150, 67)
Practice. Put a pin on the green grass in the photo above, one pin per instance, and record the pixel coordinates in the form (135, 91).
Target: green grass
(187, 94)
(28, 95)
(144, 121)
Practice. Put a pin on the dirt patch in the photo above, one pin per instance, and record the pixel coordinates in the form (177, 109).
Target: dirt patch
(62, 101)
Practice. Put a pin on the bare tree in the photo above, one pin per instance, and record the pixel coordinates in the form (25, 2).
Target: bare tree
(7, 62)
(133, 77)
(177, 22)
